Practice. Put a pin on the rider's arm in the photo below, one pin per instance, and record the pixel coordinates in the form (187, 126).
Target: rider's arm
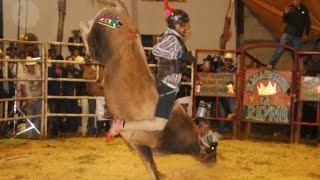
(168, 48)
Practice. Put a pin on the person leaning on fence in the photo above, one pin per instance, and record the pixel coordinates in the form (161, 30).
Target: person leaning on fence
(297, 19)
(81, 90)
(6, 87)
(226, 104)
(32, 88)
(72, 105)
(55, 88)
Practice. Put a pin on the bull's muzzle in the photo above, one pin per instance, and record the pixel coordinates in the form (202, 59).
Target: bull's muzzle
(209, 154)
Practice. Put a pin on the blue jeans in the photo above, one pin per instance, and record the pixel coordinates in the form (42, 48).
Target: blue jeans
(286, 39)
(226, 106)
(166, 101)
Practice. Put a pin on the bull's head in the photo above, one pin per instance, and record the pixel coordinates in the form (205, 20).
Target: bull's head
(209, 154)
(181, 135)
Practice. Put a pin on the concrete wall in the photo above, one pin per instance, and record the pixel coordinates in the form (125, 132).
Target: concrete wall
(207, 18)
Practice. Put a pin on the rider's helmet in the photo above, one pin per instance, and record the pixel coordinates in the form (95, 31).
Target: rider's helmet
(177, 16)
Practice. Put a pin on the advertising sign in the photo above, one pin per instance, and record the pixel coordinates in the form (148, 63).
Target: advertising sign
(309, 88)
(216, 84)
(266, 96)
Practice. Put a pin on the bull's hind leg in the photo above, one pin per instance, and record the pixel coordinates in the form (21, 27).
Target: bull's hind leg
(145, 154)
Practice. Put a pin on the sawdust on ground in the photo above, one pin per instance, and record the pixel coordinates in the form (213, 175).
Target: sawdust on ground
(93, 158)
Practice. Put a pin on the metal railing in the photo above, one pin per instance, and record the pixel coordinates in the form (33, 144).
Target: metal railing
(44, 64)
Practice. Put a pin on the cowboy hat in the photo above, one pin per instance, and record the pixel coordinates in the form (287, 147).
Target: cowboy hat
(30, 61)
(228, 56)
(209, 57)
(79, 59)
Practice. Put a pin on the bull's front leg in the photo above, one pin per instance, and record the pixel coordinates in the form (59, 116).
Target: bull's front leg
(145, 154)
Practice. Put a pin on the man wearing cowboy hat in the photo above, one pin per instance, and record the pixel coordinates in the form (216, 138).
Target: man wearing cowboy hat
(81, 90)
(32, 88)
(226, 104)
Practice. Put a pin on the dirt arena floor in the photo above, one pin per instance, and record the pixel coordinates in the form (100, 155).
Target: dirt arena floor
(93, 158)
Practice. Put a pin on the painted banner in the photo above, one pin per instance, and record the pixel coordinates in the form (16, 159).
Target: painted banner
(309, 88)
(216, 84)
(266, 96)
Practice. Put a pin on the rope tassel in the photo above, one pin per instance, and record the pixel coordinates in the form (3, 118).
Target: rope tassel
(168, 10)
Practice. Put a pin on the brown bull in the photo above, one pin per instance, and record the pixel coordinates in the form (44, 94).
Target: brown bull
(130, 89)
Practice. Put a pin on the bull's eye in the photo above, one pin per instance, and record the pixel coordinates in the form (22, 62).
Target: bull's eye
(210, 149)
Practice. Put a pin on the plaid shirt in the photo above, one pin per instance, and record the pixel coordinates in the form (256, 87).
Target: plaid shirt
(169, 48)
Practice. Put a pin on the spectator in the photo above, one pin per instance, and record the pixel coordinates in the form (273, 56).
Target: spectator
(297, 19)
(72, 105)
(17, 68)
(226, 104)
(75, 53)
(81, 90)
(36, 54)
(207, 64)
(76, 38)
(32, 88)
(6, 87)
(55, 88)
(11, 50)
(52, 52)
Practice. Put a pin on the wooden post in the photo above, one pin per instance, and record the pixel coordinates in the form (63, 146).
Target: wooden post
(62, 12)
(226, 29)
(248, 129)
(297, 128)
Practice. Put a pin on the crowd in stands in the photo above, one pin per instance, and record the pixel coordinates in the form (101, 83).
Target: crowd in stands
(30, 73)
